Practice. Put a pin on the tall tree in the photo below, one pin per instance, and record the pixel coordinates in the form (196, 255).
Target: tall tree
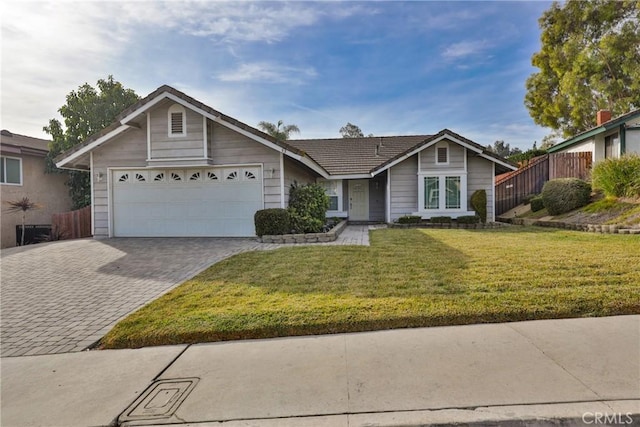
(351, 131)
(589, 61)
(279, 131)
(503, 149)
(88, 110)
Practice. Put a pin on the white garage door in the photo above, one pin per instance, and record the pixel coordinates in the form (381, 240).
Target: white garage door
(190, 202)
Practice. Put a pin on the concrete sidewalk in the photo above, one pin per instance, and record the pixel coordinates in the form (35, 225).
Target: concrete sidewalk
(525, 373)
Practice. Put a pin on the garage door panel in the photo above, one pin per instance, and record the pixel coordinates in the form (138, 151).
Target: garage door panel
(199, 207)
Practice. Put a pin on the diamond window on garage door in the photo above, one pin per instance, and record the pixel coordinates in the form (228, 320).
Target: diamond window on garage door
(211, 176)
(195, 176)
(140, 177)
(159, 177)
(249, 176)
(124, 177)
(231, 176)
(176, 176)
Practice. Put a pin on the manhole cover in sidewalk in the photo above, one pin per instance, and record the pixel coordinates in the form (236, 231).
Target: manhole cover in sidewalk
(160, 400)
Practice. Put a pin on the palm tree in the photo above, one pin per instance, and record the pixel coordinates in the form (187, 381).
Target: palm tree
(279, 131)
(22, 205)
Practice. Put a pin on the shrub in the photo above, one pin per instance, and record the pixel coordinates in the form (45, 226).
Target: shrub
(468, 219)
(479, 204)
(409, 219)
(618, 177)
(527, 199)
(440, 219)
(308, 206)
(565, 194)
(272, 221)
(536, 203)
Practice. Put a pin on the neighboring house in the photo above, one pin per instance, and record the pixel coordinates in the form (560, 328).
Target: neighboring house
(172, 166)
(610, 138)
(22, 174)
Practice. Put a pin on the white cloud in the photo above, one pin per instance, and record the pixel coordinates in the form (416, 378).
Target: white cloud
(264, 72)
(464, 49)
(50, 48)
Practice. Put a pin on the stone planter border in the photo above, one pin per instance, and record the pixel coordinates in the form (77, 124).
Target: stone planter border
(329, 236)
(453, 225)
(590, 228)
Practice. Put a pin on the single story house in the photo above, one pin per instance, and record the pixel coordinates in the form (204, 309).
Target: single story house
(171, 166)
(610, 138)
(22, 174)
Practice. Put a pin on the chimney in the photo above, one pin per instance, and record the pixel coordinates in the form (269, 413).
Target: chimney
(603, 116)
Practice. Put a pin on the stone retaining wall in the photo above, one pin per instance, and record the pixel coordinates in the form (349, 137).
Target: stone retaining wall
(592, 228)
(329, 236)
(479, 226)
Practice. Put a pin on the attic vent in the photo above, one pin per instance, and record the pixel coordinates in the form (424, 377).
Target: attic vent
(442, 155)
(176, 123)
(177, 120)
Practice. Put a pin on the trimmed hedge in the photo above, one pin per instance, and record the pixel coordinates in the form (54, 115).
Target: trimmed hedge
(618, 177)
(272, 221)
(536, 203)
(409, 219)
(468, 219)
(565, 194)
(479, 204)
(440, 219)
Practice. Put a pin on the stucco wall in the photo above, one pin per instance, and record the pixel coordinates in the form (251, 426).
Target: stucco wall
(48, 190)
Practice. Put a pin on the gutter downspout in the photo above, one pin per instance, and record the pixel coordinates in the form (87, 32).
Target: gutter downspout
(623, 139)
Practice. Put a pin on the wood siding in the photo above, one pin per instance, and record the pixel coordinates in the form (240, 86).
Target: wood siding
(480, 177)
(229, 148)
(294, 172)
(377, 198)
(126, 150)
(428, 158)
(404, 188)
(165, 147)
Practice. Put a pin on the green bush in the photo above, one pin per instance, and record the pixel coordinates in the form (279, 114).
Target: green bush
(479, 204)
(536, 203)
(527, 199)
(409, 219)
(440, 219)
(618, 177)
(565, 194)
(272, 221)
(468, 219)
(308, 206)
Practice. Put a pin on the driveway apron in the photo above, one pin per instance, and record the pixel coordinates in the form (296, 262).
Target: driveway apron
(62, 297)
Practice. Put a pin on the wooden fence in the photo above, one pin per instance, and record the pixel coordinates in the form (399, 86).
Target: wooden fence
(512, 189)
(72, 225)
(570, 165)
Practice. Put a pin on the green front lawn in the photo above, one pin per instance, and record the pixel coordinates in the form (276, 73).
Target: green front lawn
(406, 278)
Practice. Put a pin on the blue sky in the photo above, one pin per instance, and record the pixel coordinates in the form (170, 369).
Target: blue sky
(392, 68)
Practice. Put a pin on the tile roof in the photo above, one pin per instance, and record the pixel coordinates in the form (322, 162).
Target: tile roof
(153, 95)
(341, 156)
(10, 138)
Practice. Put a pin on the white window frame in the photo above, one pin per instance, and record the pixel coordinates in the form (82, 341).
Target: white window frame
(338, 183)
(442, 203)
(445, 145)
(177, 108)
(4, 167)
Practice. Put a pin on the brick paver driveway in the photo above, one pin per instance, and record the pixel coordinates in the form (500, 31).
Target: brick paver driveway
(62, 297)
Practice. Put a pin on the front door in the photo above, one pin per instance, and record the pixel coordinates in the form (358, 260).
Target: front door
(359, 200)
